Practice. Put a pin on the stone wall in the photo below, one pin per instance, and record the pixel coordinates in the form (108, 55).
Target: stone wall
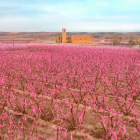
(68, 39)
(58, 39)
(81, 39)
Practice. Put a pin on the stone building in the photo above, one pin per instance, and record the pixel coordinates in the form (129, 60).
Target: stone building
(75, 39)
(58, 39)
(81, 39)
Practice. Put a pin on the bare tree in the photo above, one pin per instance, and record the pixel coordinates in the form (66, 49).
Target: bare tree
(116, 40)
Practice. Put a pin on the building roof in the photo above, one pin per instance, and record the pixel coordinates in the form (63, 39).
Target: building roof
(68, 37)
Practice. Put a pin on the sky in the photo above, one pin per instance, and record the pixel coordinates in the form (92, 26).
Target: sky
(74, 15)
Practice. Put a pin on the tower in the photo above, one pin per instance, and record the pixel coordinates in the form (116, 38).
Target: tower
(63, 35)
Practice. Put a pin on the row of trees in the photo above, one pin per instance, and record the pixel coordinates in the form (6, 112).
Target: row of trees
(69, 93)
(117, 41)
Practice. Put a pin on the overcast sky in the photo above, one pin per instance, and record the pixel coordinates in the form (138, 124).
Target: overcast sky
(75, 15)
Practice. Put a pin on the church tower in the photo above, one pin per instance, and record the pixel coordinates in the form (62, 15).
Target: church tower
(63, 35)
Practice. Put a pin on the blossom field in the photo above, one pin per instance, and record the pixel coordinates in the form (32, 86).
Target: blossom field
(69, 93)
